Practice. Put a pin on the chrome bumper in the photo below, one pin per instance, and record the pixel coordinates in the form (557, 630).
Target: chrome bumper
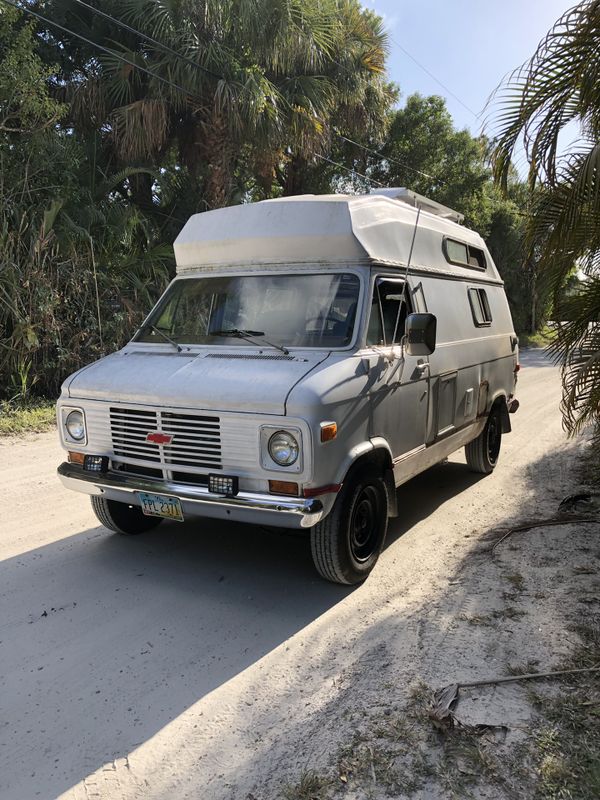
(261, 509)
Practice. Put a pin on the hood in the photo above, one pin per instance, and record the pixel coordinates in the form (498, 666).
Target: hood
(217, 381)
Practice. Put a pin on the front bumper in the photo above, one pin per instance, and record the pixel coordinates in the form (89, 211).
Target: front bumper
(196, 501)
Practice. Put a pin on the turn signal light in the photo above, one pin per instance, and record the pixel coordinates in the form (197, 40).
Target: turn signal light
(76, 458)
(328, 431)
(283, 487)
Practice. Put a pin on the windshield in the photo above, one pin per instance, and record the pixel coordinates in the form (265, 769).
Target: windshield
(289, 310)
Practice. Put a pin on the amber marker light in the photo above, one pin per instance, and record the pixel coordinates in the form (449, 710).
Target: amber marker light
(283, 487)
(328, 431)
(76, 458)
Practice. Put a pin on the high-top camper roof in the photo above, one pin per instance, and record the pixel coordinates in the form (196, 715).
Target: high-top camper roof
(326, 229)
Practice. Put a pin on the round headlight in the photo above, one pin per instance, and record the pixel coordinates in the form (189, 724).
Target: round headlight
(75, 425)
(283, 448)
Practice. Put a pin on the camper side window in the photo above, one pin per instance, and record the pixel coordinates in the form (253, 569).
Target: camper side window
(462, 254)
(389, 310)
(480, 307)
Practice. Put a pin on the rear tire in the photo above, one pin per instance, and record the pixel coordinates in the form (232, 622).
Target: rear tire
(483, 452)
(122, 517)
(345, 546)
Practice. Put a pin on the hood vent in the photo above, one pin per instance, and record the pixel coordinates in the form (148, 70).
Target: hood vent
(251, 356)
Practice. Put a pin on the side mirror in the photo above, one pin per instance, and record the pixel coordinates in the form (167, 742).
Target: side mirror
(420, 334)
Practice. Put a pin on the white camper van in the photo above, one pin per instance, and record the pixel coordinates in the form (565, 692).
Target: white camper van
(312, 354)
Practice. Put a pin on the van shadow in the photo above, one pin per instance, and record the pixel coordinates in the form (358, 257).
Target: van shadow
(108, 638)
(422, 495)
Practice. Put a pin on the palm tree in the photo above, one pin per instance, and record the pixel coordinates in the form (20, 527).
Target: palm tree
(559, 87)
(228, 73)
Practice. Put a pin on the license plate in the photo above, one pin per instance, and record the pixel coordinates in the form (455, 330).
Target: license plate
(160, 505)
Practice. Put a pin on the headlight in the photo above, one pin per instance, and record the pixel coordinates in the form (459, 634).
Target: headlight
(283, 448)
(75, 425)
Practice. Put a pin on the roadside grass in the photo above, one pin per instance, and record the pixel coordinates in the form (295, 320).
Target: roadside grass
(19, 419)
(311, 786)
(541, 338)
(565, 744)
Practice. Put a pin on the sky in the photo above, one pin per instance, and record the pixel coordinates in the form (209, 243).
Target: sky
(469, 45)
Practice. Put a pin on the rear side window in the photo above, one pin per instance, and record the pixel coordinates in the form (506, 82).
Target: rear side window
(389, 310)
(464, 255)
(480, 307)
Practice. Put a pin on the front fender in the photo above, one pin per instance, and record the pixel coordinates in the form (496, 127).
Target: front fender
(357, 452)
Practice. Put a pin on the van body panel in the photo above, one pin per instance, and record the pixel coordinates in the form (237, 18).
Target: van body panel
(204, 380)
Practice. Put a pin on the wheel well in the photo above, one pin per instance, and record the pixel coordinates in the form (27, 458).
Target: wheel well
(501, 406)
(381, 460)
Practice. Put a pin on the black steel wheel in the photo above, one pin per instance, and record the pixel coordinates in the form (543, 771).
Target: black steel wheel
(483, 452)
(346, 544)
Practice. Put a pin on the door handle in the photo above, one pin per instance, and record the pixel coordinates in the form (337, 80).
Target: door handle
(422, 367)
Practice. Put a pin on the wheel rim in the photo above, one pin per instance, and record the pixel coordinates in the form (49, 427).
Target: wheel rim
(364, 525)
(493, 438)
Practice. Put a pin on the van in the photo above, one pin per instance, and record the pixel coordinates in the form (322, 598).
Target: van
(312, 354)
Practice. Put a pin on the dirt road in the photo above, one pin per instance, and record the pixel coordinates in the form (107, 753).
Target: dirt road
(211, 662)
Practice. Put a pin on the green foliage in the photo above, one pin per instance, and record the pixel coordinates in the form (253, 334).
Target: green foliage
(25, 103)
(559, 85)
(101, 163)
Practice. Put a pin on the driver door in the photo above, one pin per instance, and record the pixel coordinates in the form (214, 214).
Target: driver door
(399, 382)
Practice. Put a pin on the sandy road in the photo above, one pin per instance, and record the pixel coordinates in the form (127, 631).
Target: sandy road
(213, 663)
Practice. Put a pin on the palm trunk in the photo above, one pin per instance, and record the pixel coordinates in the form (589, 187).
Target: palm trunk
(218, 153)
(295, 177)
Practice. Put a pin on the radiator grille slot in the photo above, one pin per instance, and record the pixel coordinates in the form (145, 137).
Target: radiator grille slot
(196, 439)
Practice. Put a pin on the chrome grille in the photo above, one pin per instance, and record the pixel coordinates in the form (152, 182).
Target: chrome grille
(129, 429)
(196, 439)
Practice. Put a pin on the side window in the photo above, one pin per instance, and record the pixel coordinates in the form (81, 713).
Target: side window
(389, 310)
(480, 307)
(464, 255)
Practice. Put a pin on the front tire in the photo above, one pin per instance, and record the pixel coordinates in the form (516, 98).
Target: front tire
(345, 545)
(122, 517)
(483, 452)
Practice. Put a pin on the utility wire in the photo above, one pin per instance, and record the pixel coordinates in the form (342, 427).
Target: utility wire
(349, 170)
(113, 53)
(437, 80)
(152, 74)
(149, 39)
(387, 158)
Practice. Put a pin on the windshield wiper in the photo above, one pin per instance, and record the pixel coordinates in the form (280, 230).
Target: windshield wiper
(250, 336)
(163, 334)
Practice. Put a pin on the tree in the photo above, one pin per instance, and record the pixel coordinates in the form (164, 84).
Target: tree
(230, 80)
(425, 152)
(560, 85)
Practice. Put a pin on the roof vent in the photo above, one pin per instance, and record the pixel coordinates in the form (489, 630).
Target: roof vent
(419, 201)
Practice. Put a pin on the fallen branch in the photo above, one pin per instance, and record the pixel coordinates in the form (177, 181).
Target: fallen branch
(528, 676)
(442, 714)
(542, 523)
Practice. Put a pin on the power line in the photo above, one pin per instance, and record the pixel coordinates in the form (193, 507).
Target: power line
(348, 169)
(437, 80)
(153, 74)
(98, 46)
(184, 58)
(149, 39)
(388, 158)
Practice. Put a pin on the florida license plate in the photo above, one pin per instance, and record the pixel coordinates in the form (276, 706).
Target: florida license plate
(160, 505)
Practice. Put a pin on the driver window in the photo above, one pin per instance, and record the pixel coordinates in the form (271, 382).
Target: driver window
(388, 313)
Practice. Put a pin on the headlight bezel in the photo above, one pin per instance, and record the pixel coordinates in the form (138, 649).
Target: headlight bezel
(68, 437)
(268, 462)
